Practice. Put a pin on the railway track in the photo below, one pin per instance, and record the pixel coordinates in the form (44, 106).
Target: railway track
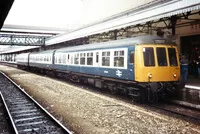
(26, 115)
(179, 109)
(5, 127)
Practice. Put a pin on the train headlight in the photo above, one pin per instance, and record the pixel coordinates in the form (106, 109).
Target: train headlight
(150, 75)
(174, 75)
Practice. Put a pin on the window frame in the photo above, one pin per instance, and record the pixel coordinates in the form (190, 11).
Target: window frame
(118, 55)
(106, 56)
(82, 56)
(90, 56)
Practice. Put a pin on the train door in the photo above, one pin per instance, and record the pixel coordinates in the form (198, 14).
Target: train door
(96, 61)
(131, 53)
(28, 60)
(53, 59)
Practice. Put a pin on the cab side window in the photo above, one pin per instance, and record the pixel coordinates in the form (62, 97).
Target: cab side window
(172, 57)
(131, 57)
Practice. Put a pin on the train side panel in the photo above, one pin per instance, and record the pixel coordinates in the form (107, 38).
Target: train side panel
(42, 60)
(100, 65)
(22, 59)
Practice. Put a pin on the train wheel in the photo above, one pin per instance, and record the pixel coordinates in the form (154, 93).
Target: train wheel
(152, 96)
(123, 91)
(143, 95)
(113, 89)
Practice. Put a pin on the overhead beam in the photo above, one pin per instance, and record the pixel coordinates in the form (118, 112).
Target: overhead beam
(22, 40)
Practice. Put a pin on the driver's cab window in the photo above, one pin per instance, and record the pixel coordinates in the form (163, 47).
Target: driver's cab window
(131, 57)
(148, 54)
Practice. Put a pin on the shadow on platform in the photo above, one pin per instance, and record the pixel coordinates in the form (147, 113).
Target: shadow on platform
(193, 81)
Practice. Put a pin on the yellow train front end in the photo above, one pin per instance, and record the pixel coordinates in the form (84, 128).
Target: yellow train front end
(157, 67)
(156, 63)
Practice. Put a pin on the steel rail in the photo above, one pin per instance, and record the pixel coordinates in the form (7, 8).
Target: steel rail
(44, 110)
(166, 107)
(8, 112)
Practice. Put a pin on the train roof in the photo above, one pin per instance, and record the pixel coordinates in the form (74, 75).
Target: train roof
(148, 39)
(46, 51)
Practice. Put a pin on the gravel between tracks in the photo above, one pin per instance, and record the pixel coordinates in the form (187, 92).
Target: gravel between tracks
(87, 112)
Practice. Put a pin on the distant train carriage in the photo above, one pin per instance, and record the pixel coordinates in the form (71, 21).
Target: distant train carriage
(22, 60)
(42, 60)
(143, 67)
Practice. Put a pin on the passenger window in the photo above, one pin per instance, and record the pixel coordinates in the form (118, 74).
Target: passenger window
(148, 54)
(59, 59)
(119, 58)
(132, 57)
(71, 59)
(89, 58)
(64, 59)
(82, 58)
(105, 58)
(172, 57)
(76, 58)
(161, 56)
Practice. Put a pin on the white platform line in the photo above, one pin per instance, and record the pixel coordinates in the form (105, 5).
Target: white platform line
(192, 87)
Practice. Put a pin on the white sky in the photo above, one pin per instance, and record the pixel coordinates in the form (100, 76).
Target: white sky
(46, 13)
(66, 14)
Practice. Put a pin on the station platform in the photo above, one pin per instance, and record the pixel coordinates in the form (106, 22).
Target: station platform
(191, 92)
(193, 81)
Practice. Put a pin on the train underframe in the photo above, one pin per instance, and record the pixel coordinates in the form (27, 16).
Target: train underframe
(138, 91)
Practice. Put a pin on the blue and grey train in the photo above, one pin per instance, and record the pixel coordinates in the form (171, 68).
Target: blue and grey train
(145, 68)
